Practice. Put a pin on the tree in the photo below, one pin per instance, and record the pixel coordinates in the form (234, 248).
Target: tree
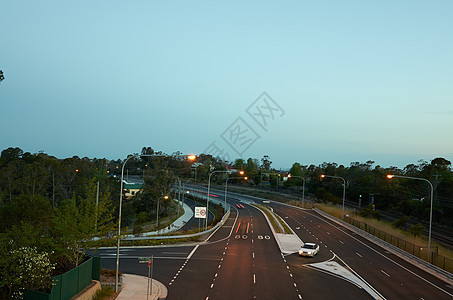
(23, 268)
(266, 163)
(239, 164)
(78, 222)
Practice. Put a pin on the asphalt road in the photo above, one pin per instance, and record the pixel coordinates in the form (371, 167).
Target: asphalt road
(391, 276)
(242, 261)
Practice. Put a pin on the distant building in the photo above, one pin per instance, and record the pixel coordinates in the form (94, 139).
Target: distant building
(132, 189)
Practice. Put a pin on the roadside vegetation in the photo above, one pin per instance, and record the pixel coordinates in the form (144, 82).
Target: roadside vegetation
(51, 210)
(393, 228)
(276, 222)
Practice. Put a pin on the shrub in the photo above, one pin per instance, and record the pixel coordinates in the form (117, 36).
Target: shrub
(104, 293)
(401, 222)
(417, 229)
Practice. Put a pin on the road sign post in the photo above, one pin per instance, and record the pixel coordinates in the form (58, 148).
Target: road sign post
(200, 213)
(150, 261)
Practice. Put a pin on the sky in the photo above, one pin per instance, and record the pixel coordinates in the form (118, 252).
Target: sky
(299, 81)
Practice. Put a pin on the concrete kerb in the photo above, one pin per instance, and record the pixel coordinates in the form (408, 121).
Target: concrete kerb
(136, 286)
(287, 243)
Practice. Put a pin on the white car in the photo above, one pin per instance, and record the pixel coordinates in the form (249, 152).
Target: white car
(309, 249)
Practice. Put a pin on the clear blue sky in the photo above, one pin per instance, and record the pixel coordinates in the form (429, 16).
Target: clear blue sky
(355, 80)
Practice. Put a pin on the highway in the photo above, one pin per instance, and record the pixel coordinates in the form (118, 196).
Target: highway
(391, 276)
(242, 260)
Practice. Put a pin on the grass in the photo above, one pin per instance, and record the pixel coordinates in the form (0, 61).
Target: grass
(105, 292)
(385, 227)
(271, 216)
(285, 227)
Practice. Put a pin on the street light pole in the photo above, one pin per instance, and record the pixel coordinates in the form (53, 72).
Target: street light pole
(344, 190)
(190, 157)
(157, 213)
(303, 186)
(207, 201)
(430, 209)
(209, 186)
(226, 187)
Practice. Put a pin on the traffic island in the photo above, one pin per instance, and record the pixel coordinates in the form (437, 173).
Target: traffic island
(287, 240)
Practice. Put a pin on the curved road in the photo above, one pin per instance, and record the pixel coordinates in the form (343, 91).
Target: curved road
(242, 260)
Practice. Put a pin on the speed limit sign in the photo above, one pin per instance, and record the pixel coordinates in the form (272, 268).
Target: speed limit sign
(200, 212)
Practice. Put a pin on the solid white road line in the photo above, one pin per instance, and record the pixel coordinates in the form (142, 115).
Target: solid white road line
(192, 252)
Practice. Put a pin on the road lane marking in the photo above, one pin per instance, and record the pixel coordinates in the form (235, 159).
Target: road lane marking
(341, 242)
(192, 252)
(254, 278)
(328, 233)
(247, 231)
(358, 254)
(385, 273)
(237, 229)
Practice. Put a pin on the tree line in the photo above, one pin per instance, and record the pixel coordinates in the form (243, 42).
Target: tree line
(51, 208)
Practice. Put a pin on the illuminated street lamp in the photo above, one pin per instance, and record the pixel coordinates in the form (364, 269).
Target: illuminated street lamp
(344, 189)
(226, 186)
(390, 176)
(303, 186)
(190, 157)
(157, 213)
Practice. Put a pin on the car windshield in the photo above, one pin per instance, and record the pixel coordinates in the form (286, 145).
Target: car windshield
(310, 246)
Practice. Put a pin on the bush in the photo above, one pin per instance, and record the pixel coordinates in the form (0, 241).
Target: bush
(377, 215)
(401, 222)
(104, 293)
(417, 229)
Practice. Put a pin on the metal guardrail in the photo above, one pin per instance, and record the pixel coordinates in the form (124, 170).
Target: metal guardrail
(166, 237)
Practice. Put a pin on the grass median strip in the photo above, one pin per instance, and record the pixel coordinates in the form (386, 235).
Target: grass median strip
(279, 226)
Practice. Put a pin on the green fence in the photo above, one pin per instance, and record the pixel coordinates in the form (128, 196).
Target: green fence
(67, 285)
(421, 252)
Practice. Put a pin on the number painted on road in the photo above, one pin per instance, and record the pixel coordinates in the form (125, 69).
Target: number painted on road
(244, 237)
(237, 236)
(267, 237)
(260, 237)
